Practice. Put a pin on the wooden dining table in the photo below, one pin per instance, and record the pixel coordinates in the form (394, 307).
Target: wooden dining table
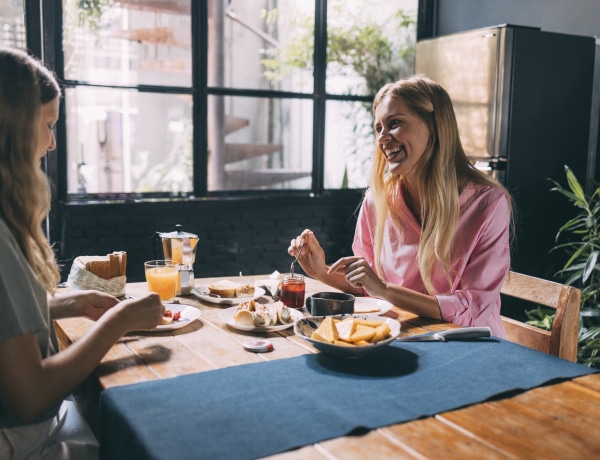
(560, 420)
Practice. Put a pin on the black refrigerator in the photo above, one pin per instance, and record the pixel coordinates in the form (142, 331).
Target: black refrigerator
(524, 101)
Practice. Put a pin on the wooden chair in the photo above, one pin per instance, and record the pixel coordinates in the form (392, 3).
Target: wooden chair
(562, 340)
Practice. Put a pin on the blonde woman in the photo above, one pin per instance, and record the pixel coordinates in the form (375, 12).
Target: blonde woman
(433, 233)
(34, 378)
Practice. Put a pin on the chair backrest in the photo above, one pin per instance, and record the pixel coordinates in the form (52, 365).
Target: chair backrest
(562, 339)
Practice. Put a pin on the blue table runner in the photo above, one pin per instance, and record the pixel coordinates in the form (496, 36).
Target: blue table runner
(255, 410)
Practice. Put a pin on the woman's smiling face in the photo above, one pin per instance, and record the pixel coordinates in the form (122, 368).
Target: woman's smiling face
(402, 137)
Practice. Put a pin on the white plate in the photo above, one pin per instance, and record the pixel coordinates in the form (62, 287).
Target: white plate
(200, 290)
(305, 327)
(188, 314)
(227, 317)
(383, 305)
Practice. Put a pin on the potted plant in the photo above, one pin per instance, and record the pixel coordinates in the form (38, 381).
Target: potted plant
(579, 238)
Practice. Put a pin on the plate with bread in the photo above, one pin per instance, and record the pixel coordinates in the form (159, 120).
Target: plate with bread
(176, 316)
(347, 336)
(228, 292)
(371, 306)
(256, 317)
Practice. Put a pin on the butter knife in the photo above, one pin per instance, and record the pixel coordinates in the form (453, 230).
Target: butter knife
(463, 333)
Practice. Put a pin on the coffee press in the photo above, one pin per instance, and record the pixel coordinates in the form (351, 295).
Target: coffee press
(180, 247)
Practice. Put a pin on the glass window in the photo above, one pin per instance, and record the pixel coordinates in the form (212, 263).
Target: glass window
(261, 44)
(369, 43)
(349, 144)
(127, 43)
(259, 143)
(122, 141)
(12, 24)
(279, 100)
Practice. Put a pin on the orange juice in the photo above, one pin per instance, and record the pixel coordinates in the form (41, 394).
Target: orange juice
(163, 281)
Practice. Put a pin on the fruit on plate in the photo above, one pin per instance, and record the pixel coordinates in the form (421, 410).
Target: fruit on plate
(168, 317)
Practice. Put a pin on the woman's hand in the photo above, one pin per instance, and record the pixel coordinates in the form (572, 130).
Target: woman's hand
(139, 314)
(91, 304)
(358, 273)
(312, 258)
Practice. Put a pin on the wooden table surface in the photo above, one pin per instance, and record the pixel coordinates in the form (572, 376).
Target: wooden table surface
(556, 421)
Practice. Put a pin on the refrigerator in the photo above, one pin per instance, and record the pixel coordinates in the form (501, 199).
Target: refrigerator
(523, 99)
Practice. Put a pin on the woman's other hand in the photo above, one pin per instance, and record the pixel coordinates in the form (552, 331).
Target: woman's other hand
(358, 273)
(88, 303)
(312, 257)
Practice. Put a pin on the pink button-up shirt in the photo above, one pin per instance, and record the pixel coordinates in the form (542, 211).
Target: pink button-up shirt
(480, 256)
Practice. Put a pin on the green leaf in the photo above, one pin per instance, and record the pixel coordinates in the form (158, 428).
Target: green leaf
(591, 263)
(574, 185)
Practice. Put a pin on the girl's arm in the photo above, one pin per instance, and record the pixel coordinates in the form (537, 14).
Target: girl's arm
(30, 385)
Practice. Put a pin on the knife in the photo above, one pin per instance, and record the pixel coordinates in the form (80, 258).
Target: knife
(463, 333)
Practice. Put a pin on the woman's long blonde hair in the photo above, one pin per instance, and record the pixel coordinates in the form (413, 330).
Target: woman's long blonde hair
(441, 174)
(24, 188)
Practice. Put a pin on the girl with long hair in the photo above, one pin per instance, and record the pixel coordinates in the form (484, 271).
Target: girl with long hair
(34, 377)
(433, 232)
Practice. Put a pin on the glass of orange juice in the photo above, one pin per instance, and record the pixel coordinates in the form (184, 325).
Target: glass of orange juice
(162, 276)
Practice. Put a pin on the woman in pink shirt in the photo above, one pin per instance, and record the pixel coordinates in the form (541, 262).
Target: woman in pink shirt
(433, 232)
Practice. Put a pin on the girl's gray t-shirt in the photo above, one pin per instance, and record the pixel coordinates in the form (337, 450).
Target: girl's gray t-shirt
(23, 307)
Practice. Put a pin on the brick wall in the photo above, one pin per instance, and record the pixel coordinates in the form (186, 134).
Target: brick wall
(248, 235)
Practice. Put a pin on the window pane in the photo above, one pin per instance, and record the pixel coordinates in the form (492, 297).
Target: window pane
(12, 24)
(349, 144)
(128, 43)
(256, 45)
(259, 143)
(124, 141)
(370, 43)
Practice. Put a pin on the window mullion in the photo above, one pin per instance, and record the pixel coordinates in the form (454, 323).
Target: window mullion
(320, 74)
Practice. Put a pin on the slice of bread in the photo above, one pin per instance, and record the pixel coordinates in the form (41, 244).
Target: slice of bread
(106, 267)
(223, 288)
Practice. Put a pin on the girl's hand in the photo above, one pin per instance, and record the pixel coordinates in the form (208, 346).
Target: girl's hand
(358, 273)
(139, 314)
(312, 258)
(91, 304)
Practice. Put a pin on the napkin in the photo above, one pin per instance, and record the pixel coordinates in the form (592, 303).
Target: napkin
(80, 278)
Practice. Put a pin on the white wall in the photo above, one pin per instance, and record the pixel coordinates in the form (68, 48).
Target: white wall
(578, 17)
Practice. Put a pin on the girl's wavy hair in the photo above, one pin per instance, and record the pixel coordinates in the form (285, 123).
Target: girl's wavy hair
(25, 85)
(441, 174)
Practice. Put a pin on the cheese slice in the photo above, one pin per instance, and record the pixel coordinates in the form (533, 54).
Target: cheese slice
(369, 322)
(381, 332)
(346, 329)
(343, 344)
(328, 331)
(362, 334)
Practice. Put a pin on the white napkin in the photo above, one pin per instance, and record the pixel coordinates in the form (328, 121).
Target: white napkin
(80, 278)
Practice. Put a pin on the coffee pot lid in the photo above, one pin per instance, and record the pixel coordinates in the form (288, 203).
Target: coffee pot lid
(177, 234)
